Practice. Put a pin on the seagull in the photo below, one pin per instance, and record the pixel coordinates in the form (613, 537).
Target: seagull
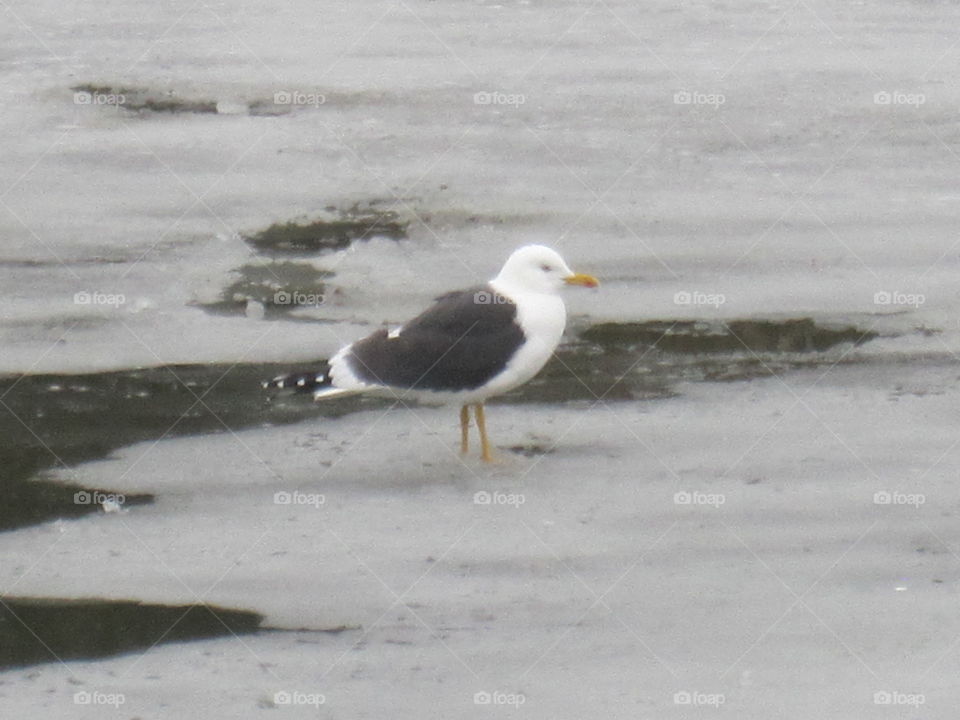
(467, 347)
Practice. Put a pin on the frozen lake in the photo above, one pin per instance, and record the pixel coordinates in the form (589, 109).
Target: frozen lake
(732, 493)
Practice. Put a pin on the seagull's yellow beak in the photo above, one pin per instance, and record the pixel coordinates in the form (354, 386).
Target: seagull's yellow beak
(581, 279)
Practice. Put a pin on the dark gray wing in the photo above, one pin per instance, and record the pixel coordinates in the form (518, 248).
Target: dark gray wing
(459, 343)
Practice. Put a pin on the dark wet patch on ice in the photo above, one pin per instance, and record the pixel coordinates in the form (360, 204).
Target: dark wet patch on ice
(41, 630)
(32, 328)
(32, 501)
(138, 99)
(146, 100)
(336, 630)
(271, 290)
(801, 335)
(634, 361)
(51, 421)
(57, 421)
(285, 280)
(33, 264)
(531, 449)
(339, 230)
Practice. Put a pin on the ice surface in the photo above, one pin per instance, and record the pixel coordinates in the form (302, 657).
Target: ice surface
(803, 194)
(597, 593)
(798, 194)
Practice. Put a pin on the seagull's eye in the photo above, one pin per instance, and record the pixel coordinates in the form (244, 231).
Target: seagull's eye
(546, 268)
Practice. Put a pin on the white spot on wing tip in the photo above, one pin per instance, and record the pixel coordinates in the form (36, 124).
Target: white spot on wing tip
(395, 333)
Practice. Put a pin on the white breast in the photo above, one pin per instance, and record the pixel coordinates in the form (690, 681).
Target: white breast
(542, 318)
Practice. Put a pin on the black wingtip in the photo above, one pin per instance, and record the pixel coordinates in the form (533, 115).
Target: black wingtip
(307, 381)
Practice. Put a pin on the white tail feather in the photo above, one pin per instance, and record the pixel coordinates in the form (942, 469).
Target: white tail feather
(328, 393)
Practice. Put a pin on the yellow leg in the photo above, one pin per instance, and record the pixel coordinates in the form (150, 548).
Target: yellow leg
(482, 427)
(464, 429)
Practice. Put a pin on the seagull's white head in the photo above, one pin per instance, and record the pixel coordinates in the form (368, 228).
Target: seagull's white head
(539, 269)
